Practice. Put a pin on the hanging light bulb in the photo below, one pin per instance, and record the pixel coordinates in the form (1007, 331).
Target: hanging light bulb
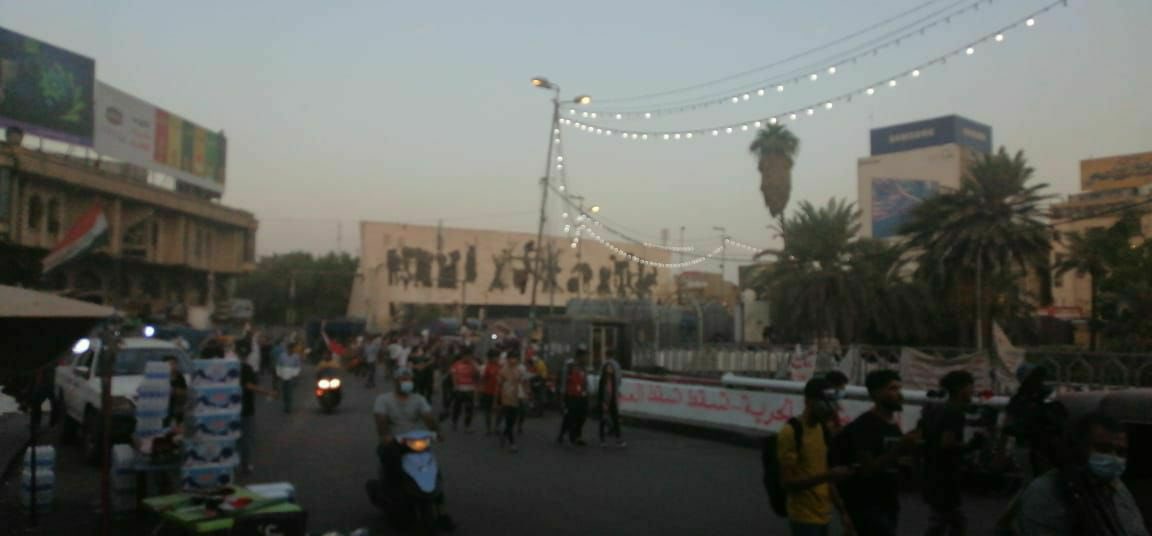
(593, 115)
(892, 83)
(618, 116)
(792, 116)
(999, 38)
(728, 130)
(715, 132)
(571, 112)
(647, 115)
(688, 135)
(565, 215)
(665, 136)
(559, 158)
(780, 88)
(827, 105)
(760, 93)
(747, 96)
(970, 51)
(562, 187)
(813, 77)
(870, 91)
(583, 114)
(756, 124)
(832, 70)
(735, 100)
(744, 127)
(1030, 22)
(643, 136)
(772, 120)
(811, 111)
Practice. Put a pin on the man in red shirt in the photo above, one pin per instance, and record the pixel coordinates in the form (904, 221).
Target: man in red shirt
(574, 384)
(465, 374)
(489, 385)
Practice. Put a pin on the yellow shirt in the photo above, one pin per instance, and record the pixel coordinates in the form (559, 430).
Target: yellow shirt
(812, 505)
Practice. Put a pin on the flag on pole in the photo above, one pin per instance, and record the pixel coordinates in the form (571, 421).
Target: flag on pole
(79, 239)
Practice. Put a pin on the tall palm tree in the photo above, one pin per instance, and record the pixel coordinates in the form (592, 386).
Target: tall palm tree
(775, 149)
(990, 229)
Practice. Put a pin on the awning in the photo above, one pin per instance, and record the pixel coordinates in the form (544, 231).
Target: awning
(18, 302)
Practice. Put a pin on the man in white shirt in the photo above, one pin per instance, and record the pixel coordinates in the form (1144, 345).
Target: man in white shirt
(371, 356)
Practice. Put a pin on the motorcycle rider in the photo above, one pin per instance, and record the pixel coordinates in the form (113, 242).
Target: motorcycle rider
(399, 412)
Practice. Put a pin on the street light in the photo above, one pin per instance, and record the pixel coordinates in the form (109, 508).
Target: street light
(545, 181)
(595, 209)
(723, 248)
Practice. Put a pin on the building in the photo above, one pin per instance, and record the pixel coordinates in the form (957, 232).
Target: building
(162, 247)
(912, 161)
(706, 287)
(1106, 185)
(489, 273)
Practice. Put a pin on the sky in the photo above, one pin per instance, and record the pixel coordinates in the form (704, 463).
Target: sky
(418, 112)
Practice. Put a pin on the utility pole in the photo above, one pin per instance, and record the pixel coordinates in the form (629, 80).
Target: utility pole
(723, 248)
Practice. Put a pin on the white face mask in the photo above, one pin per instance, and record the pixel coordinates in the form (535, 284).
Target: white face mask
(407, 387)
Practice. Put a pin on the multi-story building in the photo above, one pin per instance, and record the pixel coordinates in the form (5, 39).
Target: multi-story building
(913, 161)
(1107, 185)
(162, 247)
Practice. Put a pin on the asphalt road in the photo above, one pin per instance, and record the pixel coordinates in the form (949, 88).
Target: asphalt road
(662, 483)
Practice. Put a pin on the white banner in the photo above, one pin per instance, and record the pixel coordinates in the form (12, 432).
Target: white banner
(747, 410)
(923, 371)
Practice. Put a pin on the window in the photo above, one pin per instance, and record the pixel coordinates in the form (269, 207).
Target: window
(5, 193)
(53, 216)
(35, 212)
(155, 235)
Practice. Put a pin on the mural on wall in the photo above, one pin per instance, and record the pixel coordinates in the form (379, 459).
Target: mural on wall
(420, 261)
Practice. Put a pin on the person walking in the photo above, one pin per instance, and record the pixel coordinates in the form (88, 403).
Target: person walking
(465, 374)
(250, 385)
(423, 371)
(371, 357)
(608, 400)
(802, 451)
(944, 455)
(875, 443)
(1085, 494)
(288, 367)
(489, 387)
(574, 385)
(513, 382)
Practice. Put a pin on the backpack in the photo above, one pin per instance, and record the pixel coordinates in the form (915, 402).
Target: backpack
(773, 476)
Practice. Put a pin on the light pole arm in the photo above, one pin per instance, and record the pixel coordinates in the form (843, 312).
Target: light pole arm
(544, 183)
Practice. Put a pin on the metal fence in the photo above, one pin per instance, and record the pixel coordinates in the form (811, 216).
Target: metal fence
(1065, 367)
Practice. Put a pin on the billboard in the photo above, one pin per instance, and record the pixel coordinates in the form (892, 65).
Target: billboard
(892, 199)
(932, 132)
(137, 132)
(1124, 171)
(45, 90)
(432, 265)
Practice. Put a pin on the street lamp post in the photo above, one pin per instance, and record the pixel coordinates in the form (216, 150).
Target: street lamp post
(723, 248)
(553, 129)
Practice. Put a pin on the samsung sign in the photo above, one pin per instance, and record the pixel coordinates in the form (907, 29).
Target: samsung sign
(932, 132)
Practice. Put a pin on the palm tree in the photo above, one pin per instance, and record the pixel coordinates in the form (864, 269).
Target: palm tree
(775, 149)
(990, 229)
(828, 283)
(1096, 253)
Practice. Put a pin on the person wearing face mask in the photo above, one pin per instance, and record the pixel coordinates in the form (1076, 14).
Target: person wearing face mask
(802, 449)
(838, 382)
(1085, 494)
(399, 412)
(874, 444)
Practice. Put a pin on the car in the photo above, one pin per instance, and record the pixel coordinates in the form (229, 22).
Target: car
(78, 388)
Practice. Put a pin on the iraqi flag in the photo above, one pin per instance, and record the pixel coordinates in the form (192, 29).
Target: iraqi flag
(79, 239)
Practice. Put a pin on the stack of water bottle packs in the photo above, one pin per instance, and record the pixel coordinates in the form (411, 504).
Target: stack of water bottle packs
(123, 478)
(212, 424)
(45, 485)
(152, 400)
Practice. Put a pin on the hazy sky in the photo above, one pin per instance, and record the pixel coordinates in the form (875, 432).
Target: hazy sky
(415, 111)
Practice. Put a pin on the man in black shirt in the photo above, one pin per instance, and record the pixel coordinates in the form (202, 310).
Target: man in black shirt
(249, 385)
(873, 443)
(944, 454)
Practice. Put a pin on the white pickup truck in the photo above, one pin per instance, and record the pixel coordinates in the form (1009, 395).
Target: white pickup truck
(78, 389)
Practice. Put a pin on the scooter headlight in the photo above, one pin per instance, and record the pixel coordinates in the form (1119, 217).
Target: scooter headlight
(334, 383)
(417, 445)
(324, 384)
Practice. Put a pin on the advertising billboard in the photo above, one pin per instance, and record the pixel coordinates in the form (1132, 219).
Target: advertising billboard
(932, 132)
(45, 90)
(892, 199)
(418, 264)
(137, 132)
(1124, 171)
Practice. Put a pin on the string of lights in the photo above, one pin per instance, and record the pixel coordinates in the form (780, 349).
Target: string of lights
(791, 58)
(827, 67)
(669, 248)
(809, 110)
(743, 246)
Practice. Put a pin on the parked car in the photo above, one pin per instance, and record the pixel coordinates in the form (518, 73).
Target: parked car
(78, 389)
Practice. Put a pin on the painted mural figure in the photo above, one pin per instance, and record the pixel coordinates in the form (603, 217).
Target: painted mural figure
(394, 266)
(581, 280)
(470, 264)
(645, 281)
(499, 264)
(552, 269)
(623, 277)
(605, 286)
(448, 267)
(520, 275)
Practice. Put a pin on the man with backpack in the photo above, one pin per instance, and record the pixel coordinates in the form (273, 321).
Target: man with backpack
(797, 475)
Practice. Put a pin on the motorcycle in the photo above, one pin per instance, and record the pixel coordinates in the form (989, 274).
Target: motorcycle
(328, 392)
(417, 501)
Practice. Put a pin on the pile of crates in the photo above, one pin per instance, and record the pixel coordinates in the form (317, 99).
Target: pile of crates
(212, 425)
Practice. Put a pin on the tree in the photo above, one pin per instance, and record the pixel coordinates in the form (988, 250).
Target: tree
(775, 149)
(312, 287)
(827, 282)
(986, 236)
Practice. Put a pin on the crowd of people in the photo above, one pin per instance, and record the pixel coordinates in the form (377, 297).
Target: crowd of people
(850, 475)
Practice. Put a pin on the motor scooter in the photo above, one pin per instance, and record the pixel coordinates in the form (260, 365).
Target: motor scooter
(415, 502)
(329, 391)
